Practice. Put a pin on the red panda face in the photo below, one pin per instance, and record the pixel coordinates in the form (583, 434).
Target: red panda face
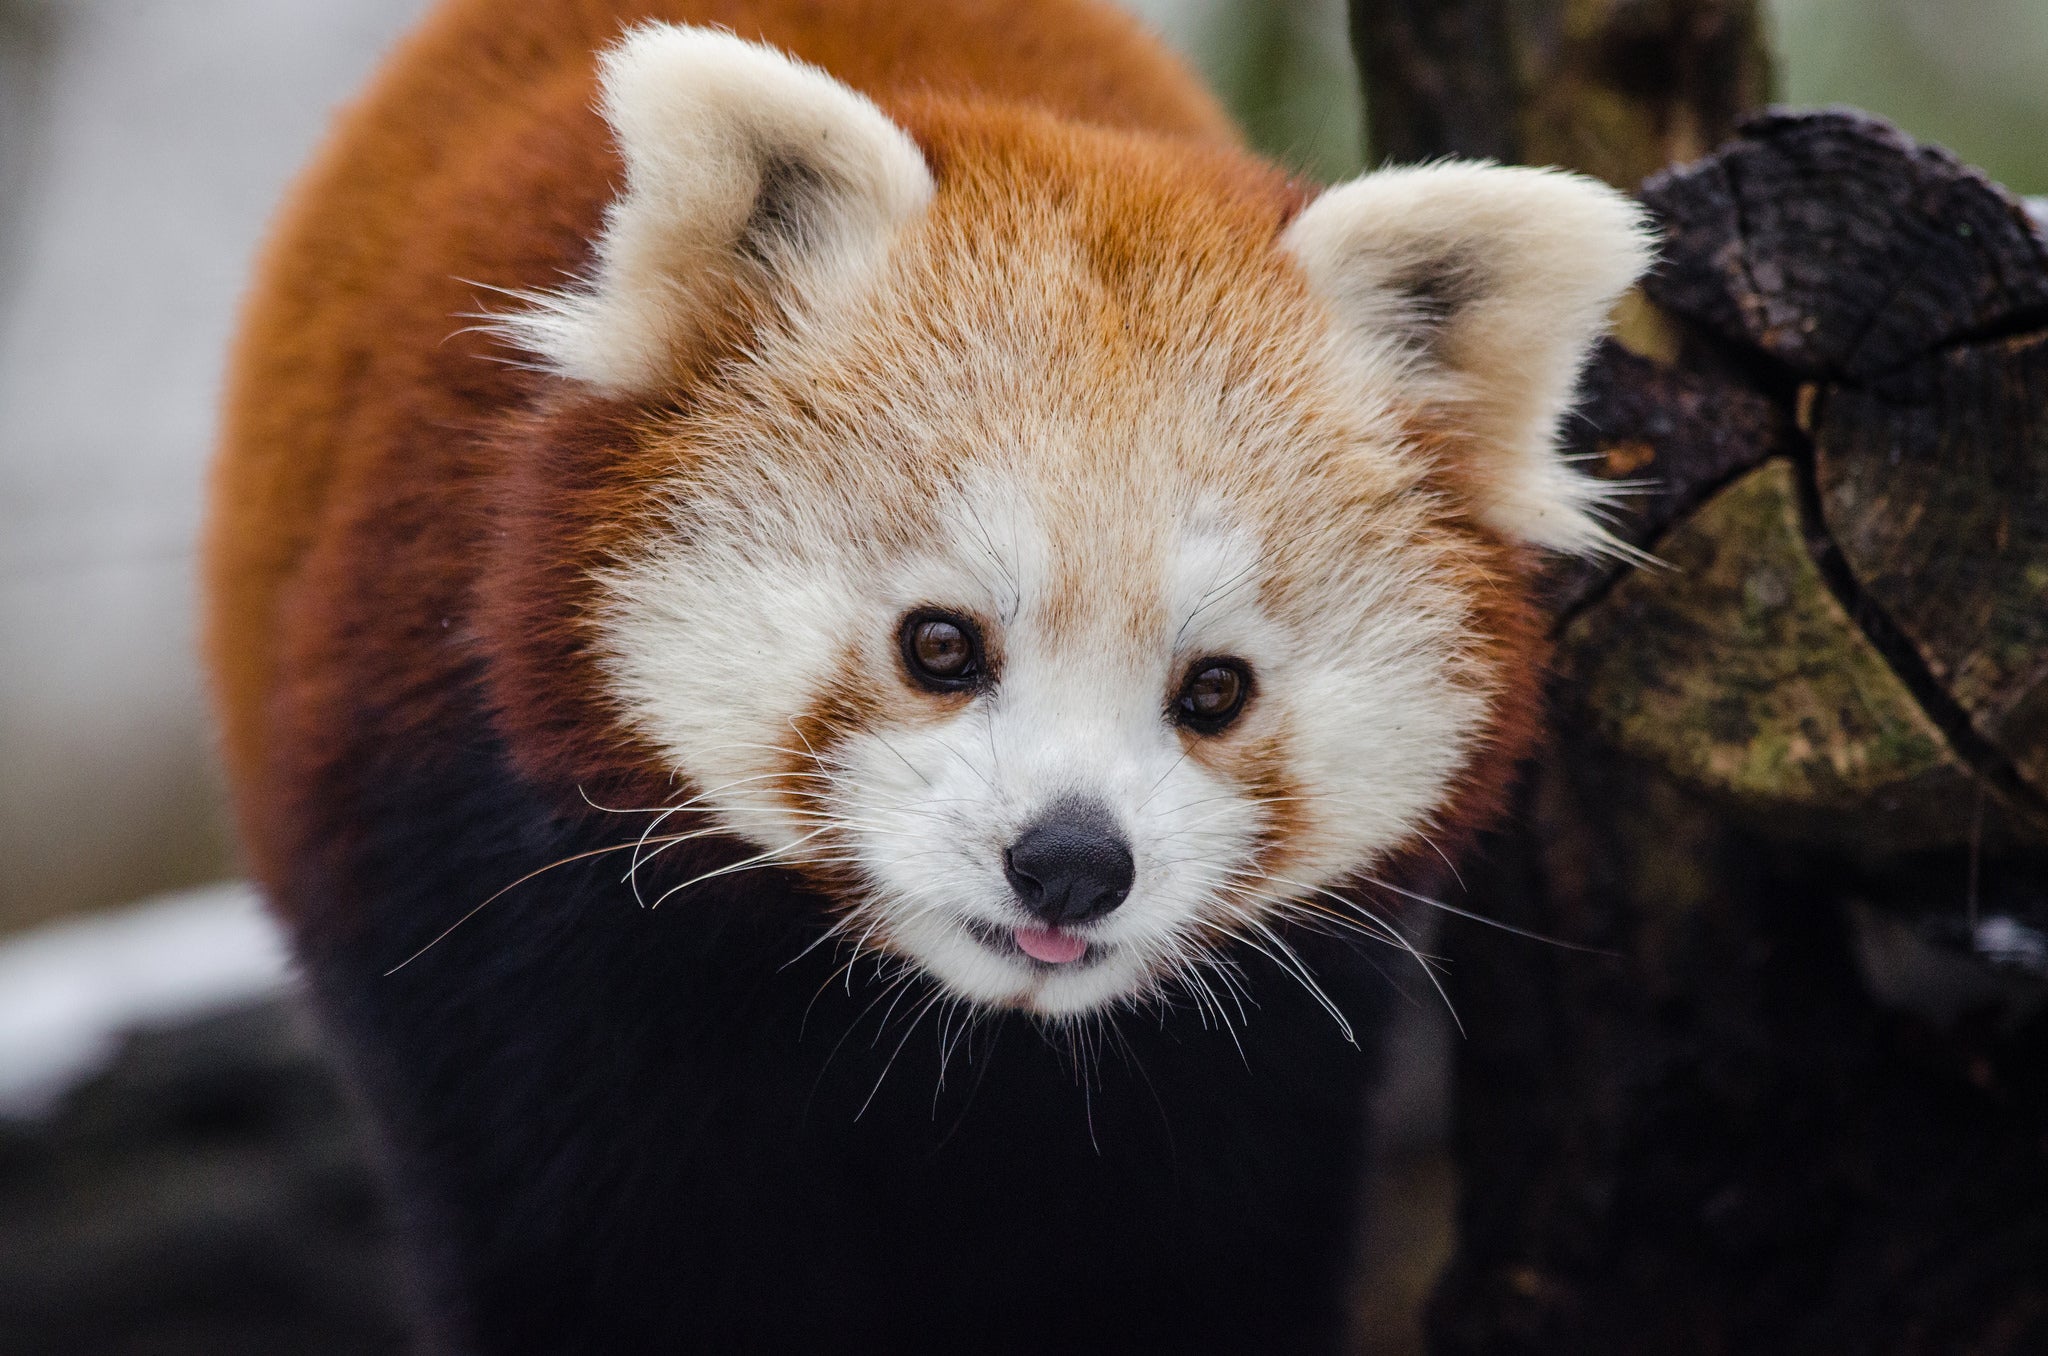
(776, 651)
(1078, 564)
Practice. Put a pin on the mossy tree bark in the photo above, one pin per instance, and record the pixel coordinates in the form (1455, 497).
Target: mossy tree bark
(1799, 786)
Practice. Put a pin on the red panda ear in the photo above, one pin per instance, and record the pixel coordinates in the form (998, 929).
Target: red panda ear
(741, 162)
(1481, 289)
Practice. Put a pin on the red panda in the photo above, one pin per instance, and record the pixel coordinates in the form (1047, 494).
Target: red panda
(820, 751)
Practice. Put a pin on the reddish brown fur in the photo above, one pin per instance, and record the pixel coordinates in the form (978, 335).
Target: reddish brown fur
(347, 519)
(397, 509)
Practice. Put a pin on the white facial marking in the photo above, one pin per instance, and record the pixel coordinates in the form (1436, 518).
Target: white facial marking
(722, 647)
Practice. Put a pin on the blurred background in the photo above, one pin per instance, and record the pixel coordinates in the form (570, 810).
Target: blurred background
(143, 146)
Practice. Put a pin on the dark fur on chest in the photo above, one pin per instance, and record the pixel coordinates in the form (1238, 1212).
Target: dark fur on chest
(620, 1130)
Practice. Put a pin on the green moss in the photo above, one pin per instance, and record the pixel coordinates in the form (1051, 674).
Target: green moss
(1739, 671)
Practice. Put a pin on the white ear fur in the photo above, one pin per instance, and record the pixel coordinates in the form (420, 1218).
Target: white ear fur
(739, 160)
(1486, 287)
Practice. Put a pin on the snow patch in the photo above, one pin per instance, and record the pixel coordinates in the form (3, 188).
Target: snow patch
(68, 991)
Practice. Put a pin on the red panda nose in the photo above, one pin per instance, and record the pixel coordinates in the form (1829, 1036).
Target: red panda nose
(1072, 866)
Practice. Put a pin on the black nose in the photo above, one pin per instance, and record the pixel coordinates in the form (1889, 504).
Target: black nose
(1070, 866)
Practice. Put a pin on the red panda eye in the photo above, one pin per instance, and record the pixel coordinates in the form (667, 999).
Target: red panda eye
(942, 650)
(1213, 695)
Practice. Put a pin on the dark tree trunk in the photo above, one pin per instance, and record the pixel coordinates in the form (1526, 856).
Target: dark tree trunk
(1615, 88)
(1798, 793)
(1439, 79)
(1799, 789)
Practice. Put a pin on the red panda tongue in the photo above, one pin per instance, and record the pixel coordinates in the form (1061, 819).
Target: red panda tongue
(1054, 948)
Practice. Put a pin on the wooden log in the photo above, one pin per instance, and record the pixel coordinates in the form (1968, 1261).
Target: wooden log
(1802, 1106)
(1737, 670)
(1888, 296)
(1934, 485)
(1840, 248)
(1909, 300)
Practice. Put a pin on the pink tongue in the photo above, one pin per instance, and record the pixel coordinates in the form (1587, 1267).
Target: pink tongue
(1054, 948)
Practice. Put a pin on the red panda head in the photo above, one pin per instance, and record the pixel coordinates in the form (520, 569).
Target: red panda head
(1066, 547)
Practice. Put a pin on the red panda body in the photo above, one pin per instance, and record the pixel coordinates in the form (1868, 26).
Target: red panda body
(553, 742)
